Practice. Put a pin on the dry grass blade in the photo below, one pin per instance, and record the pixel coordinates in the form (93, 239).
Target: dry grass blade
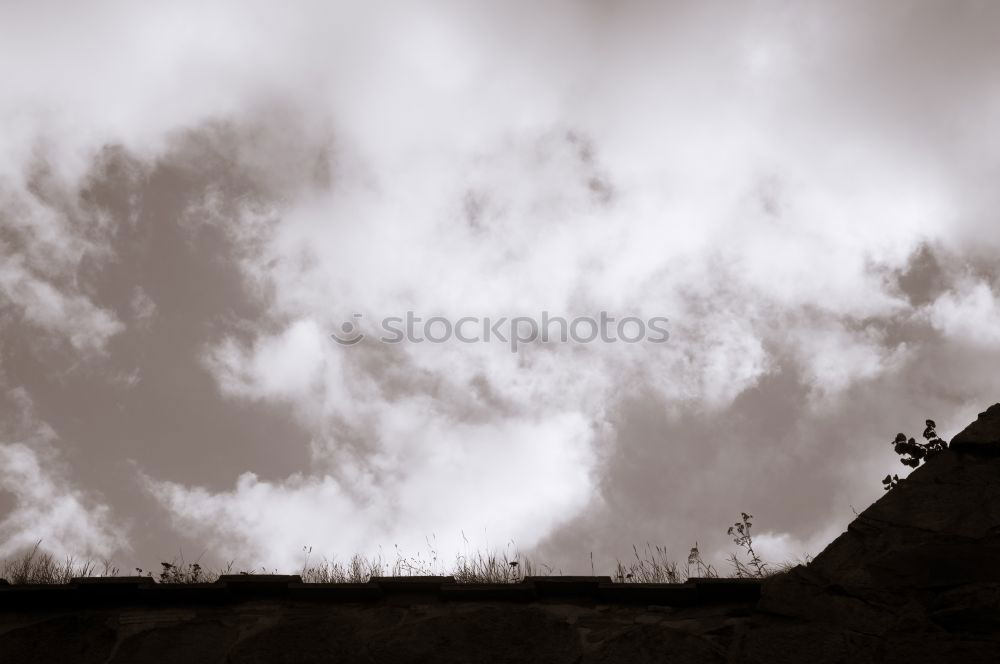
(37, 566)
(652, 566)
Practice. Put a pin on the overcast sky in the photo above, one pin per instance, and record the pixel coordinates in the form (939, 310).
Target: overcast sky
(193, 197)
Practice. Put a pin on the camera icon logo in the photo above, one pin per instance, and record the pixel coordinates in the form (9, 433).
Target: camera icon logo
(350, 332)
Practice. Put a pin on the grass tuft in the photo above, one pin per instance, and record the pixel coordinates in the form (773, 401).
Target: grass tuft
(37, 566)
(652, 566)
(648, 565)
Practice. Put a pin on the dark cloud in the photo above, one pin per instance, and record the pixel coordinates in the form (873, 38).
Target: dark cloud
(923, 280)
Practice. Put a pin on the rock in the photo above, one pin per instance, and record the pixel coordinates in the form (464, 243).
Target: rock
(971, 609)
(81, 639)
(936, 648)
(813, 643)
(982, 436)
(334, 635)
(177, 644)
(651, 644)
(497, 634)
(936, 533)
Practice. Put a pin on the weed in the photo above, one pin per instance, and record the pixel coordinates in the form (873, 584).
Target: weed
(183, 573)
(913, 453)
(356, 570)
(701, 568)
(37, 566)
(648, 565)
(653, 566)
(755, 567)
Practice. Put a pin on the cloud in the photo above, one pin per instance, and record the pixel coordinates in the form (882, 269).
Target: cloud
(777, 549)
(970, 313)
(69, 316)
(49, 239)
(834, 357)
(63, 518)
(430, 478)
(764, 235)
(289, 365)
(765, 178)
(47, 506)
(142, 306)
(46, 237)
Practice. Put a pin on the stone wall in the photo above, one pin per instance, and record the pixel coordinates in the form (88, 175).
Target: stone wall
(430, 619)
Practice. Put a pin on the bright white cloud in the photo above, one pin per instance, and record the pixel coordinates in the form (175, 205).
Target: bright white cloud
(45, 237)
(69, 316)
(431, 478)
(63, 518)
(835, 358)
(47, 505)
(969, 313)
(288, 366)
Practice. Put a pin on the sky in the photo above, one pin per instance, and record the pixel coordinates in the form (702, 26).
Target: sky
(194, 198)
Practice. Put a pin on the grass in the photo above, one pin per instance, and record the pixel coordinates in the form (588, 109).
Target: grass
(479, 567)
(650, 564)
(37, 566)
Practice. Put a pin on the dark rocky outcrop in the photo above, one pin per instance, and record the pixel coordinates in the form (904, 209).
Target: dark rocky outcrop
(982, 436)
(916, 578)
(921, 565)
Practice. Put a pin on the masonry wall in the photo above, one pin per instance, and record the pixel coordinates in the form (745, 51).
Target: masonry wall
(276, 619)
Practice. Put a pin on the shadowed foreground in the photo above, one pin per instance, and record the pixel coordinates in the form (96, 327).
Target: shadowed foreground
(914, 579)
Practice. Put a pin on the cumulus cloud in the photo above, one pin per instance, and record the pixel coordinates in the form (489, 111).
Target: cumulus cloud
(767, 179)
(47, 506)
(970, 312)
(430, 477)
(62, 518)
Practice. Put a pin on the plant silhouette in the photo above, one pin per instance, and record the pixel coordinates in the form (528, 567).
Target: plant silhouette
(913, 453)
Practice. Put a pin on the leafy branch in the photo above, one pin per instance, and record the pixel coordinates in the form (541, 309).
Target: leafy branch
(913, 453)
